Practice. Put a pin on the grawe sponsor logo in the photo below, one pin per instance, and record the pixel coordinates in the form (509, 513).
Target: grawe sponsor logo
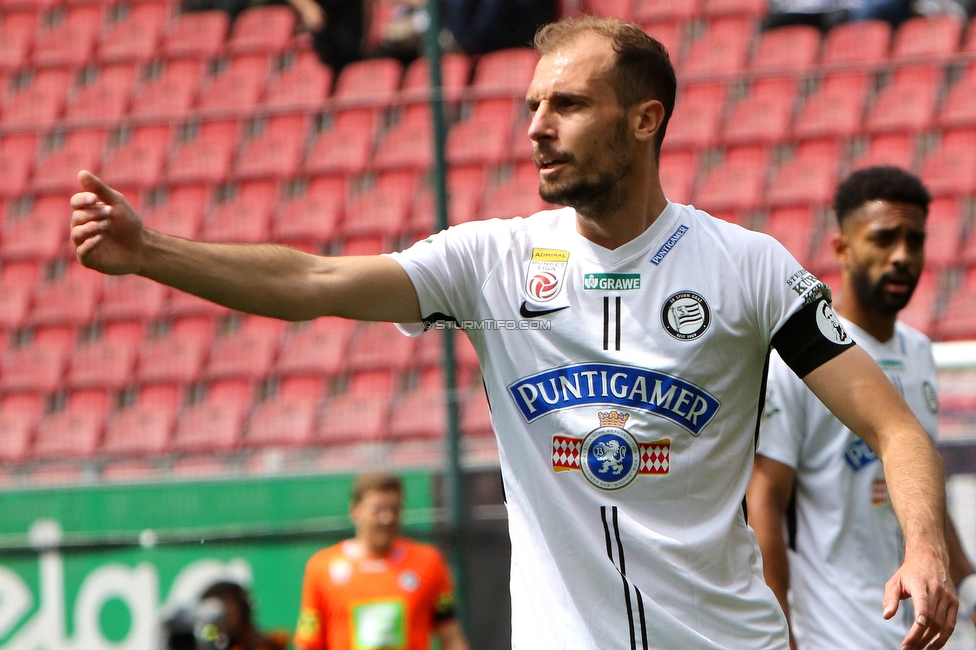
(611, 281)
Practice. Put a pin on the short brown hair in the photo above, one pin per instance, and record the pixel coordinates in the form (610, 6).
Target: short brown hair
(374, 481)
(643, 68)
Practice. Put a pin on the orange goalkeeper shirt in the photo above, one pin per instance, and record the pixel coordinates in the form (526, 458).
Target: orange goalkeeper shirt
(352, 601)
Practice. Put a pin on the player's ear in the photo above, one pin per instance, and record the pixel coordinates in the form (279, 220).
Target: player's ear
(647, 119)
(841, 244)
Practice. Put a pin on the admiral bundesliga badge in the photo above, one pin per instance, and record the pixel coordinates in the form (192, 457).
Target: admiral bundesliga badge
(609, 456)
(546, 271)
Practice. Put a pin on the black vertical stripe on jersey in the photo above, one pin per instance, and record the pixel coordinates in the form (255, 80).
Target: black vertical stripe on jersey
(606, 322)
(618, 324)
(643, 622)
(623, 571)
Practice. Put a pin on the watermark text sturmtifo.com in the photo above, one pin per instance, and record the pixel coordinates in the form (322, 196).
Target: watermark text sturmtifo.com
(489, 324)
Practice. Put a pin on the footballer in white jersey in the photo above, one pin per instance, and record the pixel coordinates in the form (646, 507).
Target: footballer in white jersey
(625, 388)
(847, 541)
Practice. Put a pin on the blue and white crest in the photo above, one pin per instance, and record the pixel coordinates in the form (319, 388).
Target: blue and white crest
(609, 458)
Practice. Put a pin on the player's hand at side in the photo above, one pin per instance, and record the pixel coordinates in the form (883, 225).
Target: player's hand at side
(105, 230)
(924, 577)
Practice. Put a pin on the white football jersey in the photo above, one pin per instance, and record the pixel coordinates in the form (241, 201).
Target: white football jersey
(848, 541)
(624, 388)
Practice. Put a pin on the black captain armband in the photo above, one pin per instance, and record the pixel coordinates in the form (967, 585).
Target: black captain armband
(811, 337)
(444, 609)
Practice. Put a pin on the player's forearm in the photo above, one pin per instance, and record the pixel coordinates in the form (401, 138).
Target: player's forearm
(263, 279)
(767, 520)
(959, 565)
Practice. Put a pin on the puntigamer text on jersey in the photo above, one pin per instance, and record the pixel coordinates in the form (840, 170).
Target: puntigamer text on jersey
(601, 383)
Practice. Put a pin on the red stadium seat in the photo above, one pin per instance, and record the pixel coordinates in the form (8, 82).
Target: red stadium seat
(749, 8)
(198, 34)
(34, 230)
(209, 426)
(237, 87)
(951, 168)
(657, 10)
(794, 228)
(455, 71)
(678, 170)
(129, 297)
(103, 363)
(420, 413)
(68, 434)
(736, 184)
(199, 467)
(345, 146)
(16, 163)
(245, 216)
(15, 303)
(168, 91)
(34, 367)
(896, 149)
(516, 196)
(893, 112)
(958, 320)
(301, 83)
(464, 188)
(289, 417)
(37, 100)
(101, 94)
(16, 434)
(177, 211)
(136, 157)
(378, 346)
(57, 168)
(66, 301)
(409, 143)
(142, 429)
(127, 471)
(793, 48)
(763, 115)
(670, 34)
(265, 30)
(809, 178)
(694, 122)
(482, 138)
(67, 37)
(363, 408)
(944, 228)
(242, 354)
(16, 35)
(721, 50)
(504, 72)
(311, 217)
(132, 33)
(374, 81)
(382, 210)
(315, 348)
(205, 155)
(274, 152)
(927, 36)
(430, 354)
(836, 108)
(959, 109)
(171, 360)
(623, 9)
(20, 273)
(864, 41)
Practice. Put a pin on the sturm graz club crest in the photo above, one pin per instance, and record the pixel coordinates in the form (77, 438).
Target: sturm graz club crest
(685, 315)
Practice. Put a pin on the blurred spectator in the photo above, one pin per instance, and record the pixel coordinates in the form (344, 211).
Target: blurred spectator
(378, 589)
(480, 26)
(222, 620)
(338, 28)
(828, 13)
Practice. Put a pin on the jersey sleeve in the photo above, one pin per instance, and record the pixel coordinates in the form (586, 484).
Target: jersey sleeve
(310, 631)
(448, 269)
(784, 415)
(793, 307)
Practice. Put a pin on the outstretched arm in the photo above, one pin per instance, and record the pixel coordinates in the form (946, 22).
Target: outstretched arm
(855, 389)
(767, 498)
(265, 279)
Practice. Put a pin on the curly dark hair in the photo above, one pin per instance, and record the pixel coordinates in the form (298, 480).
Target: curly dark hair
(879, 183)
